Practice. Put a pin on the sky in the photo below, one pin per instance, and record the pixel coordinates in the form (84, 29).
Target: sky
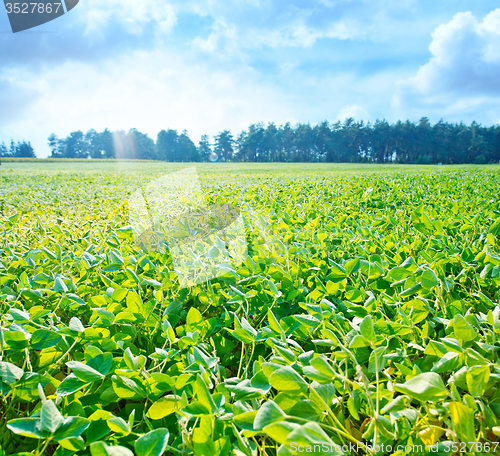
(209, 65)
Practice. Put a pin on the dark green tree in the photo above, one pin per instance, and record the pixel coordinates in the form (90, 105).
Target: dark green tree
(142, 146)
(3, 150)
(204, 148)
(106, 145)
(166, 145)
(224, 143)
(53, 142)
(24, 150)
(187, 148)
(75, 145)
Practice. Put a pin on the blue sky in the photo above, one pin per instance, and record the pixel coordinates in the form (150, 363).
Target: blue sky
(205, 66)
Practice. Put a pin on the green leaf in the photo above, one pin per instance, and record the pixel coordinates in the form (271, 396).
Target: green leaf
(101, 363)
(30, 381)
(72, 427)
(243, 335)
(435, 348)
(10, 373)
(395, 405)
(310, 435)
(269, 413)
(273, 322)
(50, 417)
(43, 338)
(131, 361)
(84, 372)
(411, 291)
(452, 344)
(417, 310)
(59, 285)
(153, 443)
(288, 379)
(119, 294)
(194, 320)
(248, 327)
(366, 328)
(27, 427)
(131, 418)
(429, 279)
(134, 302)
(462, 418)
(196, 408)
(495, 228)
(377, 361)
(50, 255)
(280, 431)
(352, 266)
(322, 365)
(128, 388)
(273, 288)
(73, 445)
(119, 425)
(459, 378)
(450, 362)
(336, 271)
(203, 394)
(19, 315)
(76, 325)
(15, 339)
(71, 384)
(131, 273)
(101, 449)
(463, 329)
(125, 232)
(477, 380)
(331, 336)
(398, 273)
(359, 341)
(163, 407)
(425, 387)
(152, 282)
(246, 420)
(370, 269)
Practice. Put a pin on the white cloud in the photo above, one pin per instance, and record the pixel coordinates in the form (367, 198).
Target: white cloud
(355, 111)
(149, 91)
(134, 15)
(295, 23)
(463, 74)
(161, 88)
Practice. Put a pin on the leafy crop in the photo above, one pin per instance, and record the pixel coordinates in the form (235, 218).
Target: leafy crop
(375, 318)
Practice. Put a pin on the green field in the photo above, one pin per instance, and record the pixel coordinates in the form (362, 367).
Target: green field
(369, 315)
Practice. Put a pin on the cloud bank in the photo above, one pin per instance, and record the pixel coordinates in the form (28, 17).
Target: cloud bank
(463, 75)
(208, 65)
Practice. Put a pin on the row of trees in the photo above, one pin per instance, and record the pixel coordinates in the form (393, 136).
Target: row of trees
(21, 150)
(349, 141)
(380, 142)
(169, 146)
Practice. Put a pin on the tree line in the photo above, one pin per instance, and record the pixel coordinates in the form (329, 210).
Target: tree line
(348, 141)
(20, 149)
